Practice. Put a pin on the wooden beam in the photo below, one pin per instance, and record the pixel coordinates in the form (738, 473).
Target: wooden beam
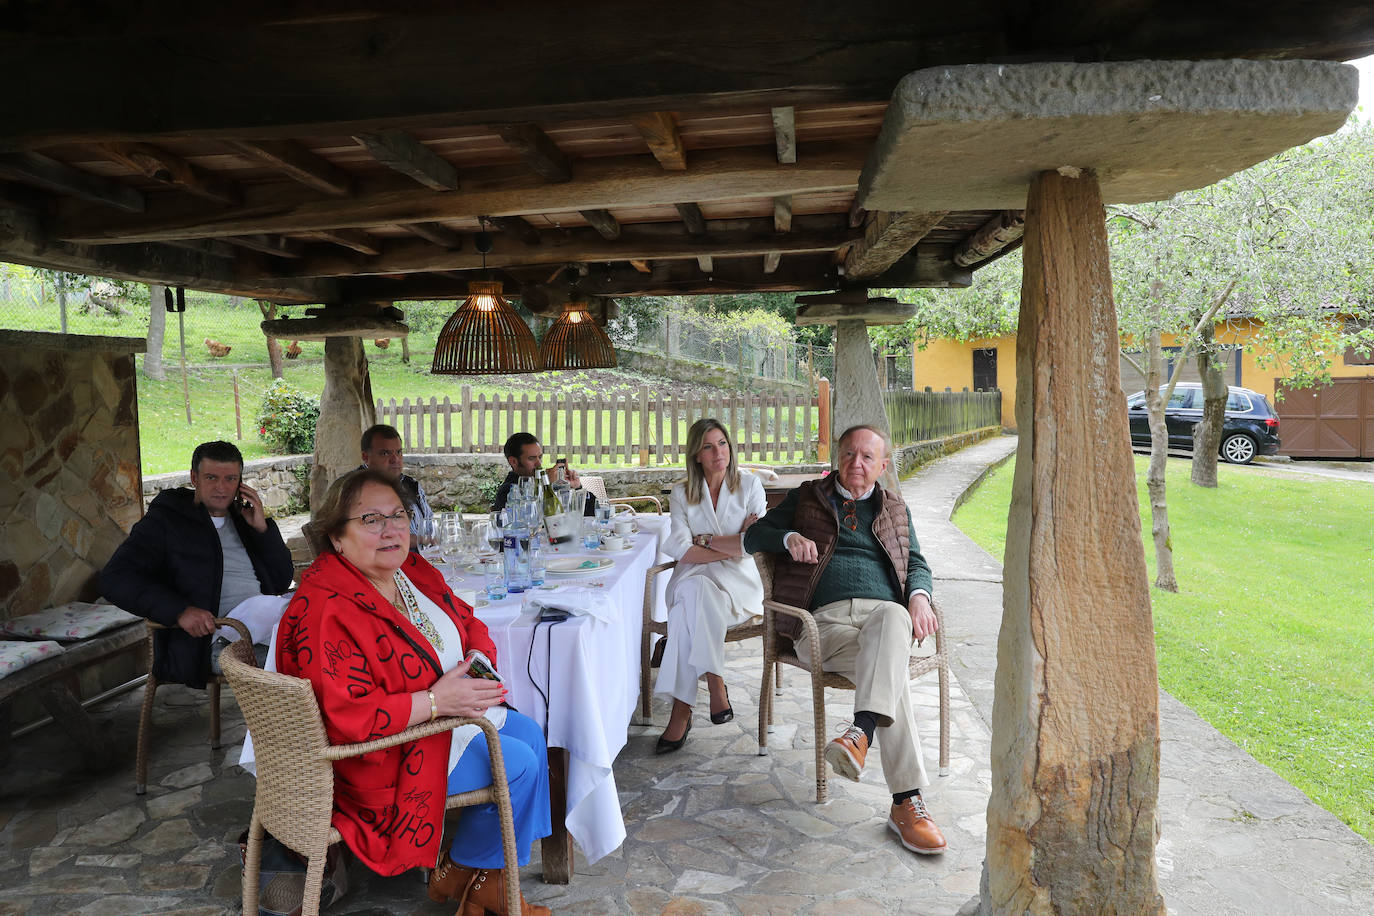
(857, 214)
(437, 233)
(170, 169)
(785, 133)
(609, 183)
(23, 242)
(692, 218)
(295, 161)
(279, 246)
(49, 174)
(517, 226)
(782, 213)
(659, 130)
(217, 248)
(871, 311)
(640, 265)
(638, 242)
(356, 239)
(538, 150)
(705, 264)
(887, 237)
(990, 238)
(400, 151)
(771, 260)
(602, 221)
(917, 270)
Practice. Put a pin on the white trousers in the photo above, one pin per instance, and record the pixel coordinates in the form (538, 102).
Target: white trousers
(869, 642)
(700, 614)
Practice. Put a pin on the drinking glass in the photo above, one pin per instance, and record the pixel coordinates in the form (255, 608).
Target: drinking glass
(591, 535)
(451, 543)
(494, 577)
(484, 545)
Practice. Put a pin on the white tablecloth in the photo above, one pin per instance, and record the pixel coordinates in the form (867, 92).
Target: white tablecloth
(589, 671)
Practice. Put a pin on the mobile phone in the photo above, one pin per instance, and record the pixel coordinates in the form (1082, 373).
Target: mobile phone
(561, 462)
(552, 615)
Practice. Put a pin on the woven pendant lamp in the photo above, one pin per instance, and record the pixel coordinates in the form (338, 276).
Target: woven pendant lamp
(575, 341)
(485, 336)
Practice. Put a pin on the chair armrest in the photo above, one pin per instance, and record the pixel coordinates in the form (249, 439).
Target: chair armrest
(237, 625)
(626, 500)
(772, 608)
(649, 578)
(413, 733)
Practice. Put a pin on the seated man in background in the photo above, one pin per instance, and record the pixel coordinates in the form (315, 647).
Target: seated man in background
(848, 554)
(525, 456)
(199, 554)
(382, 451)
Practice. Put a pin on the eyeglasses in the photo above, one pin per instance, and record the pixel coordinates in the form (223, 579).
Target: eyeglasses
(376, 522)
(850, 518)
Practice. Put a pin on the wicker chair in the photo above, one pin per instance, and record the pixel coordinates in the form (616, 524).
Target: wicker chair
(747, 630)
(295, 787)
(778, 649)
(145, 721)
(597, 487)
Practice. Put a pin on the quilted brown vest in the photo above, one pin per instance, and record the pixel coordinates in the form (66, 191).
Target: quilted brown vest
(794, 583)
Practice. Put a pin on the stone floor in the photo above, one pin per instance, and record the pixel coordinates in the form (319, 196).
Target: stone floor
(712, 829)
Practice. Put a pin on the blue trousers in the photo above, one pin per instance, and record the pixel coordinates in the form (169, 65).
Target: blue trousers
(478, 841)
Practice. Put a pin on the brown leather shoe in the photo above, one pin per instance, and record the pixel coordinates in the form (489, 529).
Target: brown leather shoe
(486, 894)
(911, 822)
(449, 881)
(846, 754)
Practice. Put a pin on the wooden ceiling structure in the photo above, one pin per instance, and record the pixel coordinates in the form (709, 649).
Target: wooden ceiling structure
(338, 151)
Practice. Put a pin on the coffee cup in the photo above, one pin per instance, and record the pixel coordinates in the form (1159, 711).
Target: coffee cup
(624, 526)
(612, 542)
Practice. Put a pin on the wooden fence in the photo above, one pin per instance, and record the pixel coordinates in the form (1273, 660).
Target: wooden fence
(916, 416)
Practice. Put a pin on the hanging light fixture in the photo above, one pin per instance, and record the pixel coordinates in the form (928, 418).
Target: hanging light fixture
(485, 335)
(575, 341)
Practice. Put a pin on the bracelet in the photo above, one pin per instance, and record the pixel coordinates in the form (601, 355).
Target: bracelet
(433, 706)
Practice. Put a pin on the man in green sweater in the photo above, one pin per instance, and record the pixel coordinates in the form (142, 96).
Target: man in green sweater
(848, 553)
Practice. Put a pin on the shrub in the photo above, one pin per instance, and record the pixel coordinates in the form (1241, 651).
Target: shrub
(286, 421)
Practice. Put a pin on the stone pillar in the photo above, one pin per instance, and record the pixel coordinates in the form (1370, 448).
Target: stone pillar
(1075, 738)
(858, 397)
(346, 409)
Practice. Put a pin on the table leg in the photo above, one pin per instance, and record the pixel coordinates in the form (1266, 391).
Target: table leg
(556, 849)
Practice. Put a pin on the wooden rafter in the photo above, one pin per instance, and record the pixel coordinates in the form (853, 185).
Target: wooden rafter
(516, 226)
(169, 169)
(609, 183)
(603, 222)
(437, 233)
(295, 161)
(705, 263)
(217, 248)
(993, 236)
(782, 213)
(279, 246)
(537, 149)
(641, 265)
(355, 239)
(785, 133)
(887, 237)
(659, 130)
(401, 152)
(771, 260)
(692, 218)
(50, 175)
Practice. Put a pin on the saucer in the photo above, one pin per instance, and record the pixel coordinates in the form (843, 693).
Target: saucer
(610, 550)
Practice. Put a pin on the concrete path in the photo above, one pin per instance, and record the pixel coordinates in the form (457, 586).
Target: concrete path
(713, 829)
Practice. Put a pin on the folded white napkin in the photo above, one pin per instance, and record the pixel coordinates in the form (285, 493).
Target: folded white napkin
(576, 600)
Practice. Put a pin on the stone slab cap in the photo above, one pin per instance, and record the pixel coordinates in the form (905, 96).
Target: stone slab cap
(327, 326)
(973, 137)
(831, 309)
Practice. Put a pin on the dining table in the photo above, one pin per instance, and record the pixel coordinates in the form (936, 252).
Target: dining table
(577, 677)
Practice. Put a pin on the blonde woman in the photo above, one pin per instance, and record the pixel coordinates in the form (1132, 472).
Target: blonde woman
(715, 584)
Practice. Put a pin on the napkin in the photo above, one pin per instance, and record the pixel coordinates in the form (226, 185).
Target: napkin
(575, 600)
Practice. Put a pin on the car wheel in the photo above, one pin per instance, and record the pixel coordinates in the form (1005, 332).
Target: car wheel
(1238, 448)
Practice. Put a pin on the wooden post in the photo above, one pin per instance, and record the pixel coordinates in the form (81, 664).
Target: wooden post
(1075, 735)
(644, 426)
(465, 421)
(823, 421)
(238, 418)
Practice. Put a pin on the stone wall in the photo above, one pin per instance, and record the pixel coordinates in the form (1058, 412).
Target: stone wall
(70, 461)
(283, 492)
(653, 363)
(911, 458)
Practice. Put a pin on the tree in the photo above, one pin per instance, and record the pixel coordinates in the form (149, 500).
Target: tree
(157, 324)
(269, 311)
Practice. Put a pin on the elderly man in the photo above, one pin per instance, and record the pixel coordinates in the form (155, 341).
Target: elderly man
(199, 554)
(382, 451)
(849, 555)
(525, 456)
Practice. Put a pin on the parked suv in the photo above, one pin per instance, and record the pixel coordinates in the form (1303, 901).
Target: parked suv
(1249, 428)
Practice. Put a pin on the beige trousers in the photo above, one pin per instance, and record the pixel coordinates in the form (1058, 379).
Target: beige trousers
(869, 642)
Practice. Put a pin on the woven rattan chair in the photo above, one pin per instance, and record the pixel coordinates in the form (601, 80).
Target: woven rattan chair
(740, 631)
(145, 721)
(779, 649)
(597, 487)
(295, 790)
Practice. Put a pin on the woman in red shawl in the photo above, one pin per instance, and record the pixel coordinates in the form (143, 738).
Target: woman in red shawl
(388, 645)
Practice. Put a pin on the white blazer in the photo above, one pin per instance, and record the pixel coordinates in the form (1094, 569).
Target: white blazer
(737, 576)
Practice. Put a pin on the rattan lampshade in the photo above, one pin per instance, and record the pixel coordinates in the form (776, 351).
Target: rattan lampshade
(485, 335)
(575, 341)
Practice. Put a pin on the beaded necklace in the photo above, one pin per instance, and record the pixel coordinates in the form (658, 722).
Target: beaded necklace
(417, 617)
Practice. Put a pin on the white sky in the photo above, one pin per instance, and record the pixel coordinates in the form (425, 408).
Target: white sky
(1366, 66)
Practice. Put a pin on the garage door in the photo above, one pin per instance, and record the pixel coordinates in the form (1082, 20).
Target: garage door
(1334, 421)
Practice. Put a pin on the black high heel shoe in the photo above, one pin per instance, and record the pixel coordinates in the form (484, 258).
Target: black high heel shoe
(665, 746)
(726, 714)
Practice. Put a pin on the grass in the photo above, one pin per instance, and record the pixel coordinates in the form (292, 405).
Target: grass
(1271, 636)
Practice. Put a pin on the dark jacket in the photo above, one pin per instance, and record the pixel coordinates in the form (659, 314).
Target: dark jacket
(503, 494)
(171, 560)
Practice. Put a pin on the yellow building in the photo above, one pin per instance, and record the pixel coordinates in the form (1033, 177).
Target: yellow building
(990, 362)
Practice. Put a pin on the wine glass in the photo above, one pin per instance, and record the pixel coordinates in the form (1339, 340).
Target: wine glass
(484, 545)
(451, 543)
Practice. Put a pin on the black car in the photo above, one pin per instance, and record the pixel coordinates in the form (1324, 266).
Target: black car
(1249, 428)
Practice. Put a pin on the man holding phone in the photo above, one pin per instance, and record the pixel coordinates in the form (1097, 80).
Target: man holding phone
(198, 554)
(525, 456)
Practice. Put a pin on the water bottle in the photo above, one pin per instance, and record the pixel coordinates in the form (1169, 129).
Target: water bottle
(536, 562)
(516, 556)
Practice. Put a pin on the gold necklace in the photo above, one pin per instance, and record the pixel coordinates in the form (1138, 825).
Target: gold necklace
(417, 617)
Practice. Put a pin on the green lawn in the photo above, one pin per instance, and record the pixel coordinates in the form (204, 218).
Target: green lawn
(1271, 636)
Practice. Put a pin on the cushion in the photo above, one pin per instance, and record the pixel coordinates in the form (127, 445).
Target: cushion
(70, 621)
(17, 654)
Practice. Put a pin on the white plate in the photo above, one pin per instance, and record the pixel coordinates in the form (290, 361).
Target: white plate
(578, 566)
(627, 546)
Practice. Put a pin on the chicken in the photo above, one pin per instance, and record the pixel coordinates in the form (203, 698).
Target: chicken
(382, 342)
(216, 348)
(293, 349)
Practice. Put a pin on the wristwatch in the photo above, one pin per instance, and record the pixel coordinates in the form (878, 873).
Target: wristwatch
(703, 540)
